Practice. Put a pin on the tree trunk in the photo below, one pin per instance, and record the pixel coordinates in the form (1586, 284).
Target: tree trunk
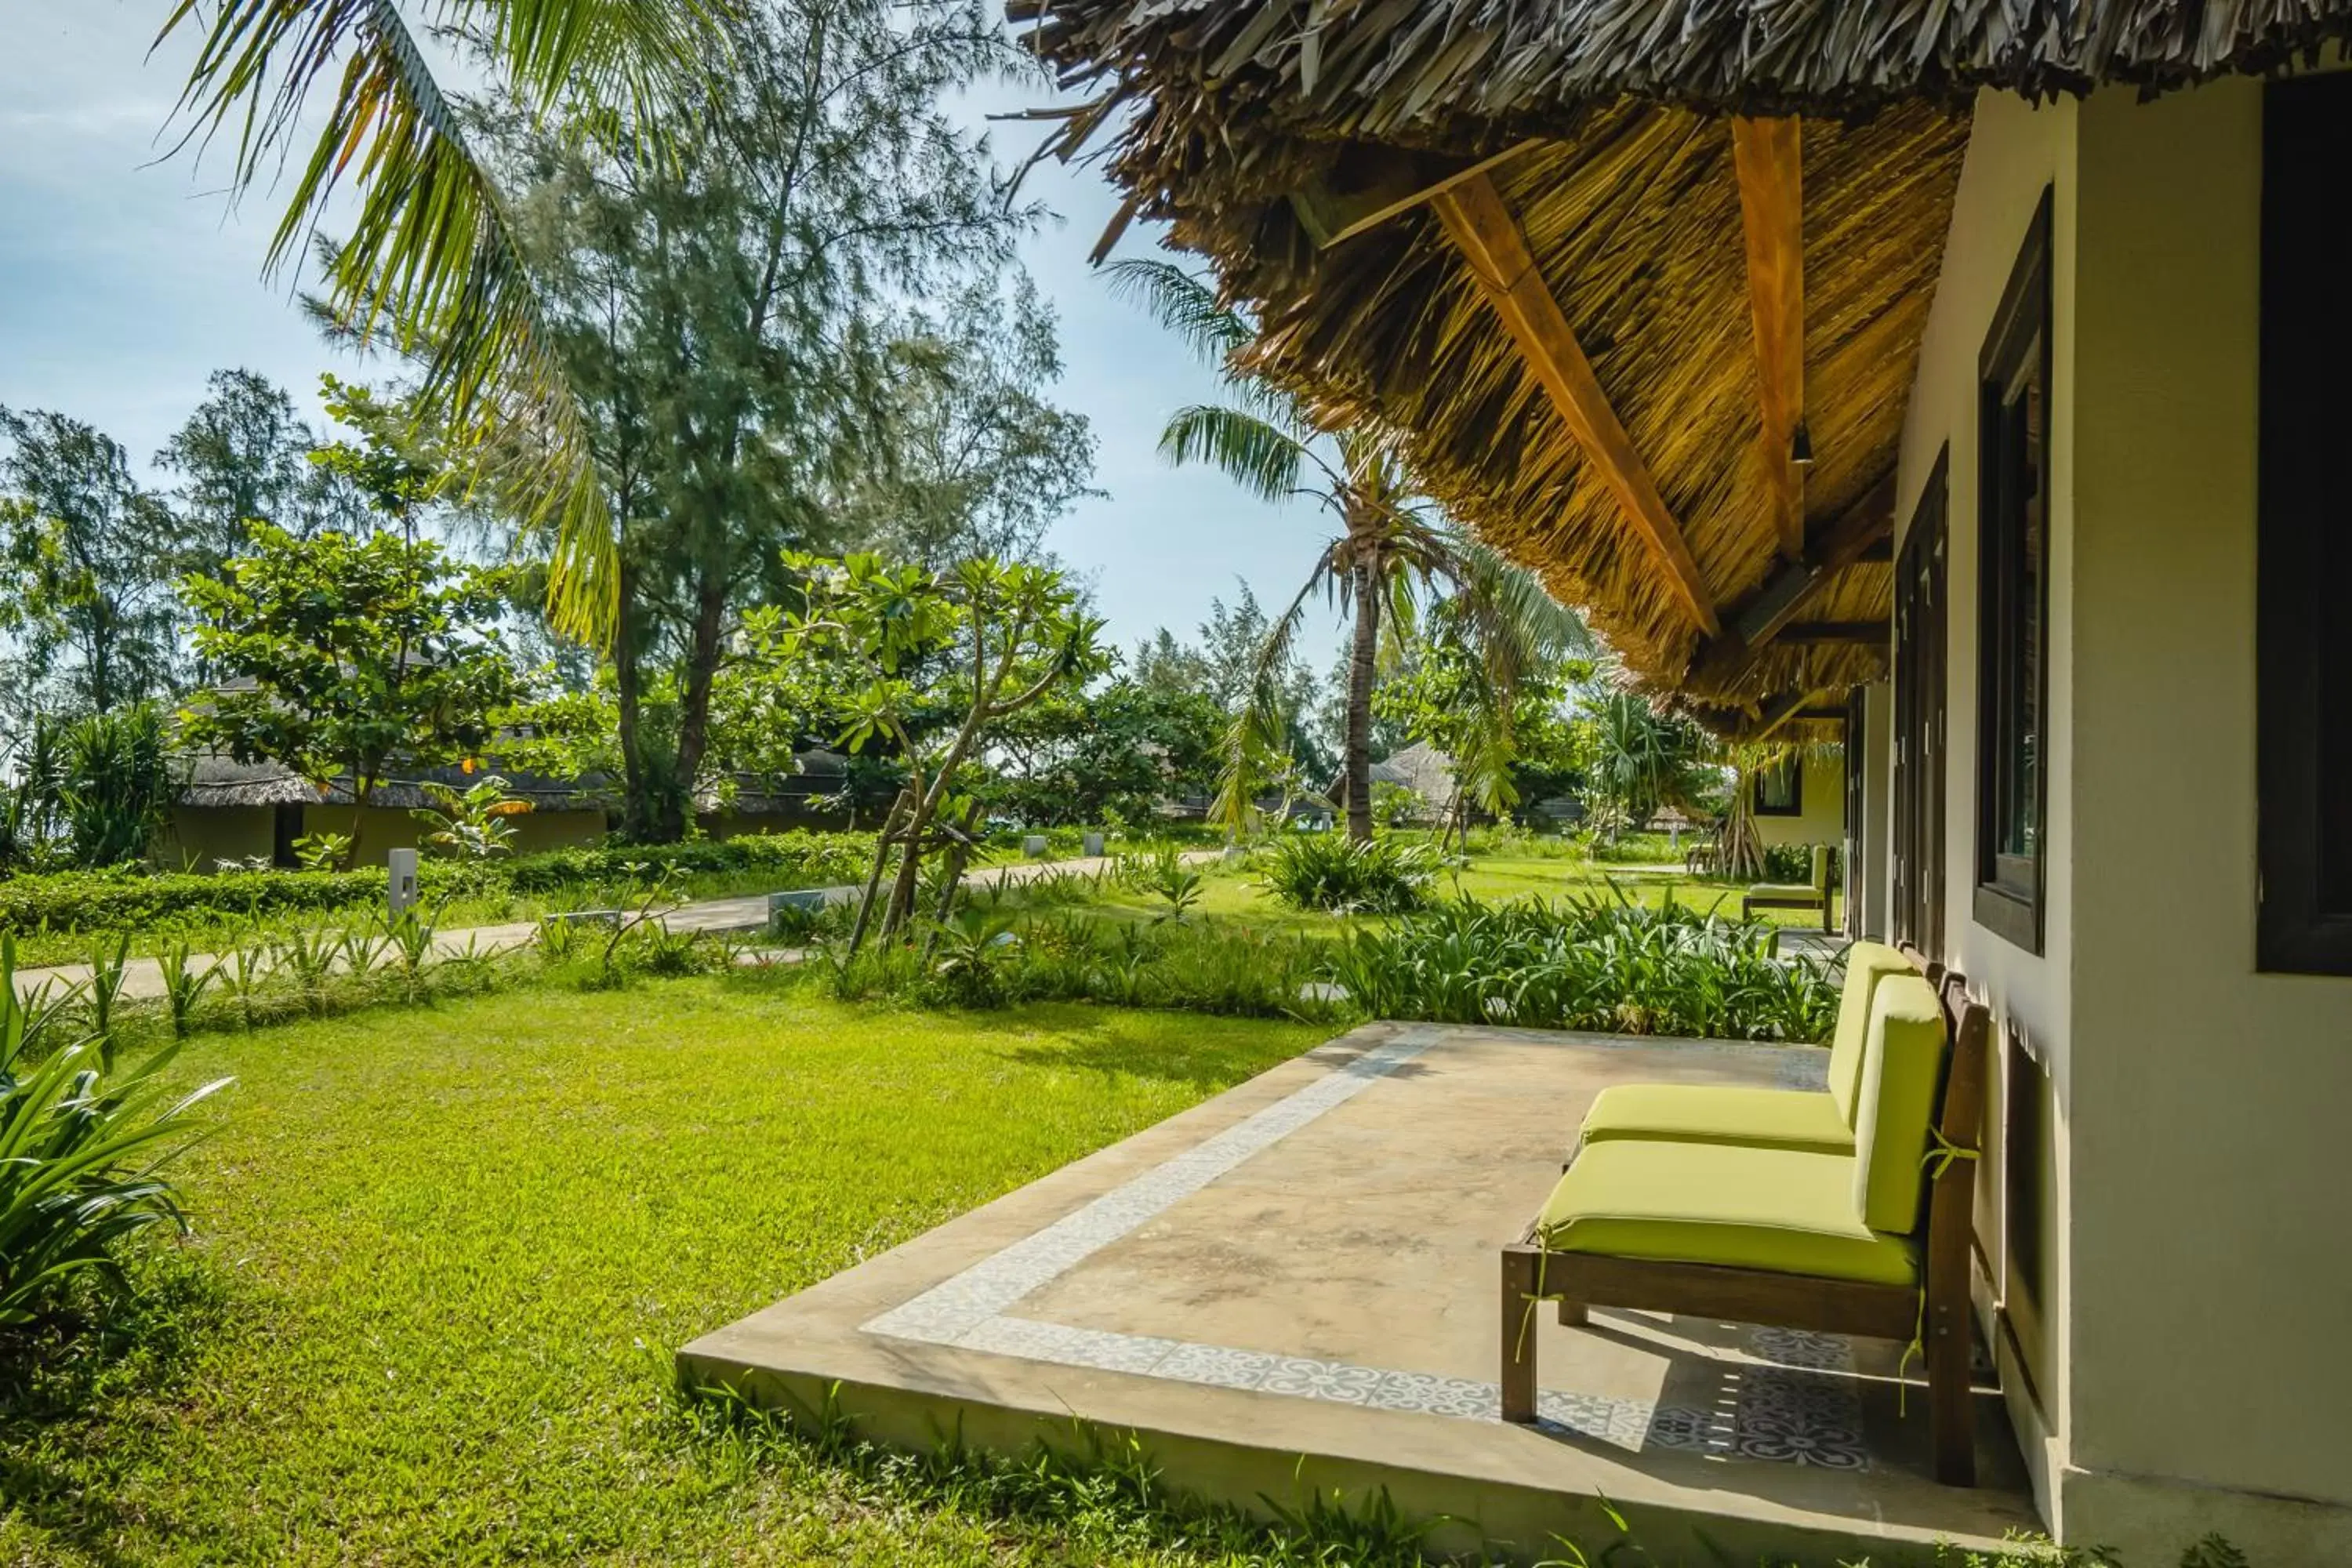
(1359, 703)
(694, 717)
(629, 682)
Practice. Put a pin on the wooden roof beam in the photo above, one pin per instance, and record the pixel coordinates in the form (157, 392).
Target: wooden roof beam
(1768, 157)
(1354, 199)
(1776, 715)
(1771, 610)
(1483, 229)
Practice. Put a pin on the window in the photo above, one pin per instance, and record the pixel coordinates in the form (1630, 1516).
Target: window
(2302, 641)
(2013, 598)
(1780, 789)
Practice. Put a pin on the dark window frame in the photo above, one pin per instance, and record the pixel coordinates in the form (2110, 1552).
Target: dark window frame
(2017, 349)
(2302, 665)
(1796, 806)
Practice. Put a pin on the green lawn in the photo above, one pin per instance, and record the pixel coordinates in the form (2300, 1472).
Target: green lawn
(442, 1256)
(1234, 891)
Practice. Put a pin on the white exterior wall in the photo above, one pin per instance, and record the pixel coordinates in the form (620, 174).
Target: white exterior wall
(2197, 1274)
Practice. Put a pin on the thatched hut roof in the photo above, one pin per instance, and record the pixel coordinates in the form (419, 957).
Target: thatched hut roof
(216, 781)
(1296, 144)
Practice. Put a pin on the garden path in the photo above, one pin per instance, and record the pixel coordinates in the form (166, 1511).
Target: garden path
(142, 978)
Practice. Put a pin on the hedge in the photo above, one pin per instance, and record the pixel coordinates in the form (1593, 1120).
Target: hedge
(126, 899)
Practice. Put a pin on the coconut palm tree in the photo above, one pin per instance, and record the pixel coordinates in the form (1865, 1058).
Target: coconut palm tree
(431, 261)
(1392, 550)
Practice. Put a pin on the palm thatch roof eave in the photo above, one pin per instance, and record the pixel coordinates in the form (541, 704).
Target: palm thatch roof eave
(1599, 125)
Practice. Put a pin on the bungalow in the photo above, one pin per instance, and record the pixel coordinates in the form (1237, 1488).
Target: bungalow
(1965, 382)
(230, 812)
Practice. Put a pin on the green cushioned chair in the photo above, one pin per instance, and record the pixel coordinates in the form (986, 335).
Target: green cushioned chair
(1800, 1238)
(1819, 1121)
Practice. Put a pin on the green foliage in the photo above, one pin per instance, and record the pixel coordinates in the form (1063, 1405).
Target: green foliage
(322, 851)
(478, 824)
(81, 1147)
(1167, 877)
(123, 902)
(988, 957)
(90, 555)
(358, 651)
(115, 781)
(1589, 962)
(978, 643)
(1640, 760)
(1081, 757)
(1383, 876)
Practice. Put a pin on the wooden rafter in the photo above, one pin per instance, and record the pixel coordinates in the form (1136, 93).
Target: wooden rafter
(1772, 608)
(1776, 715)
(1357, 196)
(1768, 157)
(1483, 229)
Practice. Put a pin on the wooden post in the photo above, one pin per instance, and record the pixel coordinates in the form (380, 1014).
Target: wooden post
(1522, 1268)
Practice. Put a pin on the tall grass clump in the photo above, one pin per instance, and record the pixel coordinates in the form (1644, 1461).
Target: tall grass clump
(1593, 963)
(1328, 871)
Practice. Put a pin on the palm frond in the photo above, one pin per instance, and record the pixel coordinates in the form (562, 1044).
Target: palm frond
(1255, 452)
(1184, 303)
(433, 262)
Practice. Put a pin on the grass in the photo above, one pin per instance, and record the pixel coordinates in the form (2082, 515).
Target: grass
(442, 1256)
(1234, 892)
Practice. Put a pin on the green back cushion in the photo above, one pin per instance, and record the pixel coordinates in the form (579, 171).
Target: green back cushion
(1820, 868)
(1901, 1077)
(1865, 964)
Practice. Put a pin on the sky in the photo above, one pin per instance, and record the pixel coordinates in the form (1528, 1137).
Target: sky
(127, 275)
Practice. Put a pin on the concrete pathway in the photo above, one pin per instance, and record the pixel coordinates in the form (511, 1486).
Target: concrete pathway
(143, 977)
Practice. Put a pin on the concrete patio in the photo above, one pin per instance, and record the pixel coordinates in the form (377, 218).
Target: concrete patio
(1291, 1290)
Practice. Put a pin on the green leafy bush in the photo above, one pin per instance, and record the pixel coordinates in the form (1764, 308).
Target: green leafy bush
(983, 959)
(1794, 863)
(82, 1146)
(1589, 963)
(126, 899)
(1379, 875)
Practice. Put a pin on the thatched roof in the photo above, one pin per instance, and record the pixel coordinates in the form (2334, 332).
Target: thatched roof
(216, 781)
(1256, 128)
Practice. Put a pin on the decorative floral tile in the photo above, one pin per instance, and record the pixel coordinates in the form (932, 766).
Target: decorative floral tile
(1337, 1380)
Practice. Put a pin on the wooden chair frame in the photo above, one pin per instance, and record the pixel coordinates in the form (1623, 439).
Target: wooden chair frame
(1578, 1280)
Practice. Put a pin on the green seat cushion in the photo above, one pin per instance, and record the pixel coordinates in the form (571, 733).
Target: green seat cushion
(1902, 1079)
(1719, 1113)
(1786, 1210)
(1866, 963)
(1783, 890)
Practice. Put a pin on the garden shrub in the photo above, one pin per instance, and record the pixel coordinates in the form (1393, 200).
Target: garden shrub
(984, 958)
(86, 1143)
(1794, 863)
(127, 898)
(1589, 963)
(1330, 872)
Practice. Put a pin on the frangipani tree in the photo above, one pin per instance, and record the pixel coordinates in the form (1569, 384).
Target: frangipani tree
(939, 659)
(1392, 553)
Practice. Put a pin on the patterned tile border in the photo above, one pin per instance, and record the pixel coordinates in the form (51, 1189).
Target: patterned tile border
(1792, 1404)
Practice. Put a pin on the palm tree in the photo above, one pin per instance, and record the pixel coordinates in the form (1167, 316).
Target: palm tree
(432, 261)
(1391, 550)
